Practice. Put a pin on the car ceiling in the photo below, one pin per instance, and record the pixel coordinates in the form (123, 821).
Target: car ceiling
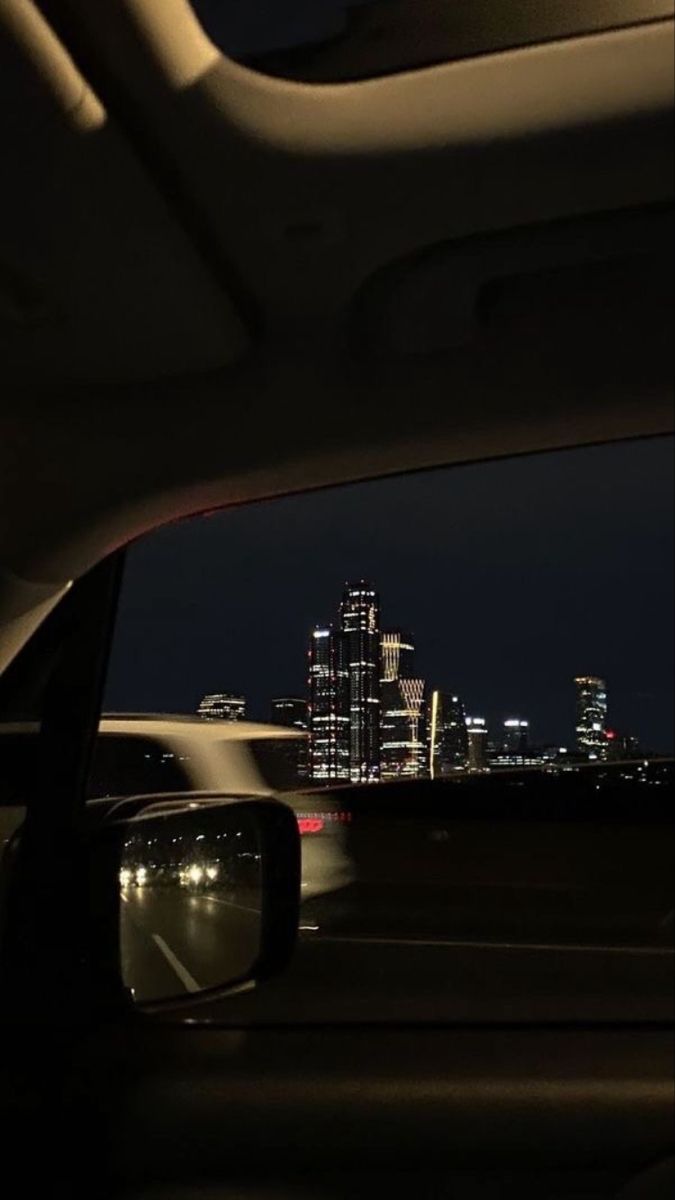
(217, 286)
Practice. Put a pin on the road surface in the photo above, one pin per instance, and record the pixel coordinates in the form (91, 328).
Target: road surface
(174, 941)
(387, 970)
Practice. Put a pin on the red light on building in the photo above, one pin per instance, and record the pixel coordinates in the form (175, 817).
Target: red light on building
(610, 735)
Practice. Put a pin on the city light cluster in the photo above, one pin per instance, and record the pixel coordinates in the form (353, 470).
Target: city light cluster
(370, 717)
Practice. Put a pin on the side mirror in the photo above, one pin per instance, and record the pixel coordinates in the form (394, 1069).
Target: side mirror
(194, 896)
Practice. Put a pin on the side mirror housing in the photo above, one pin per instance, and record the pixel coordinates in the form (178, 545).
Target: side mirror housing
(192, 897)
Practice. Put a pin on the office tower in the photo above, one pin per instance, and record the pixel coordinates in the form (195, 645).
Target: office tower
(402, 750)
(591, 713)
(477, 734)
(511, 746)
(447, 735)
(291, 711)
(516, 736)
(402, 743)
(222, 706)
(397, 652)
(328, 713)
(515, 741)
(360, 636)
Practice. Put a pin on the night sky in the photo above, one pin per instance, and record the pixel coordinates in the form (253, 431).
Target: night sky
(512, 576)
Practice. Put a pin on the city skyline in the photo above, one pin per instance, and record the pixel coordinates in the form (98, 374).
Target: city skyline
(398, 650)
(404, 701)
(515, 576)
(369, 718)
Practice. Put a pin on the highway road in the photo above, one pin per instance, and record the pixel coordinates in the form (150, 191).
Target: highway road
(176, 942)
(386, 969)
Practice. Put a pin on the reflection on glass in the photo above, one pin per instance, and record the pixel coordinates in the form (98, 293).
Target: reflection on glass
(190, 889)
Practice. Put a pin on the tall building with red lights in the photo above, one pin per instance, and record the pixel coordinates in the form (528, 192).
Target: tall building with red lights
(591, 714)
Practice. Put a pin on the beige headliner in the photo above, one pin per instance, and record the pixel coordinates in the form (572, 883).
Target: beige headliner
(184, 250)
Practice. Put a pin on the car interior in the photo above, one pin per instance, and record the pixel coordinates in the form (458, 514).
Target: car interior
(238, 267)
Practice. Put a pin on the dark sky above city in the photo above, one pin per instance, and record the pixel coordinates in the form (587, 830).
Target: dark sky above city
(512, 576)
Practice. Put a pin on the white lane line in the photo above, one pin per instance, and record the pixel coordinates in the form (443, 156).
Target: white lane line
(124, 897)
(188, 981)
(662, 951)
(230, 904)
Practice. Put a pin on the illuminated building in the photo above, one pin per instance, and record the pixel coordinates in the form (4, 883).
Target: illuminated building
(360, 637)
(591, 712)
(222, 706)
(402, 748)
(289, 711)
(447, 735)
(292, 712)
(402, 752)
(516, 736)
(328, 713)
(513, 748)
(397, 651)
(477, 736)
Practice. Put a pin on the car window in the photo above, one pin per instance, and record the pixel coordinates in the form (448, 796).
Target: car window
(474, 666)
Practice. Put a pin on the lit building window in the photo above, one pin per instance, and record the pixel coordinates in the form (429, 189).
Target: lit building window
(591, 715)
(222, 706)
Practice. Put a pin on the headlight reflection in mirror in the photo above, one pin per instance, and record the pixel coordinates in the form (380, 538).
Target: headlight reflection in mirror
(191, 893)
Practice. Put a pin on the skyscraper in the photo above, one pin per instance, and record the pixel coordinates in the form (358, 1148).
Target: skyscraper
(447, 735)
(291, 712)
(477, 734)
(328, 713)
(515, 739)
(591, 724)
(402, 749)
(222, 706)
(511, 745)
(397, 651)
(360, 636)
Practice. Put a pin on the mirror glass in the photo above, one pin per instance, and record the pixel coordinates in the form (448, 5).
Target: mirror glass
(191, 899)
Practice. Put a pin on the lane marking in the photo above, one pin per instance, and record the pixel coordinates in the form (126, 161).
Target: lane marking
(662, 951)
(189, 982)
(231, 904)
